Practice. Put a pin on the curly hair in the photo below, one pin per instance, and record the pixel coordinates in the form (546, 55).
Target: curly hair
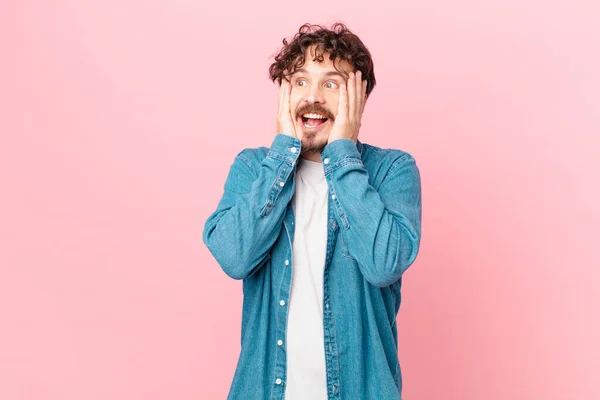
(338, 42)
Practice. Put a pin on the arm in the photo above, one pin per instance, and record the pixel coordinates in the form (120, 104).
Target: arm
(382, 227)
(249, 216)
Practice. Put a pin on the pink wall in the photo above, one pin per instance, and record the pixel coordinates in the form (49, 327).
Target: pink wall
(119, 121)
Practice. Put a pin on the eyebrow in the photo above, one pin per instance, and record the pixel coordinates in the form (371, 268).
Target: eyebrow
(329, 73)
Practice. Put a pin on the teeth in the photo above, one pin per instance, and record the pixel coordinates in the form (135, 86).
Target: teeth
(314, 116)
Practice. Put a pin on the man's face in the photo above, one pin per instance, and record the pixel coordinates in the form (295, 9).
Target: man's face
(315, 90)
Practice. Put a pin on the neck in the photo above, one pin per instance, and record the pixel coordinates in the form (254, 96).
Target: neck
(316, 157)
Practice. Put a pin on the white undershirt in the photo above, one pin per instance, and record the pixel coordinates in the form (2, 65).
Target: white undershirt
(305, 376)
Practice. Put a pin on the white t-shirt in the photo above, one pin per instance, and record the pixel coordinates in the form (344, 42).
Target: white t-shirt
(305, 376)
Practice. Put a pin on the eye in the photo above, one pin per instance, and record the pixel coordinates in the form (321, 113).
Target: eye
(301, 82)
(331, 85)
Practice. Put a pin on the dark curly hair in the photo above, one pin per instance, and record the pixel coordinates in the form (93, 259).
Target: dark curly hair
(339, 42)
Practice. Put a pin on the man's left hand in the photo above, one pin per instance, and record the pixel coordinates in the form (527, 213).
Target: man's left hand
(350, 108)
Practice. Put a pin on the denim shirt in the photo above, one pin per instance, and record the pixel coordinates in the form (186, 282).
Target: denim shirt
(373, 236)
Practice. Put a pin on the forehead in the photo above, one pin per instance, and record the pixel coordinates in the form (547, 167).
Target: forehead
(325, 66)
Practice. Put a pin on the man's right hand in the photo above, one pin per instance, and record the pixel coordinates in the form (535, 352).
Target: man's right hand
(285, 123)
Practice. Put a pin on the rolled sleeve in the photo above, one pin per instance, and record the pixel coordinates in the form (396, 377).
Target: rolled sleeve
(339, 153)
(285, 148)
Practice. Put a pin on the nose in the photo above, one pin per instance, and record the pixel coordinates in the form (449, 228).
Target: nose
(315, 94)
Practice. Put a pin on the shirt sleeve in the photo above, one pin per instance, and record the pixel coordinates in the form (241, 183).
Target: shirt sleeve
(382, 227)
(249, 216)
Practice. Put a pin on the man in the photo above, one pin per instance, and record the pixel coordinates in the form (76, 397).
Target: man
(320, 227)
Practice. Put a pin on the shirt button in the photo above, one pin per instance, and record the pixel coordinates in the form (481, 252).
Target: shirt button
(326, 305)
(293, 149)
(279, 342)
(278, 381)
(282, 303)
(326, 161)
(333, 196)
(282, 184)
(287, 262)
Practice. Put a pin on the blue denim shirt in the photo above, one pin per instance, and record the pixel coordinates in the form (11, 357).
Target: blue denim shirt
(373, 235)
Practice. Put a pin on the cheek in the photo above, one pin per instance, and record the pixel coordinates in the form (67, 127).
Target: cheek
(333, 101)
(294, 101)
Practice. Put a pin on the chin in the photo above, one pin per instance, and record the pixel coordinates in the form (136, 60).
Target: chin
(314, 143)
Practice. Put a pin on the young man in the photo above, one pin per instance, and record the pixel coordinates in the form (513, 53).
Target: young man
(320, 227)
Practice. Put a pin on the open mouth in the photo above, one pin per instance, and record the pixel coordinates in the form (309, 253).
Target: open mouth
(312, 121)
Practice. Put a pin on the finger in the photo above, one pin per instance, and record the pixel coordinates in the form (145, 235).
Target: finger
(285, 100)
(343, 101)
(363, 97)
(284, 90)
(351, 96)
(358, 83)
(286, 104)
(281, 88)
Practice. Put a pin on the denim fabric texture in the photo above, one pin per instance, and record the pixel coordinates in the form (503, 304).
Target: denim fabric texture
(373, 236)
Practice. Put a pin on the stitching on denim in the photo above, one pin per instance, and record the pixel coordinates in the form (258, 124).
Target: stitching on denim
(337, 356)
(345, 252)
(287, 309)
(276, 156)
(246, 160)
(345, 220)
(284, 380)
(400, 162)
(266, 210)
(344, 162)
(338, 205)
(276, 188)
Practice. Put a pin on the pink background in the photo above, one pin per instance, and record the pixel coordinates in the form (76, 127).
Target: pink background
(119, 121)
